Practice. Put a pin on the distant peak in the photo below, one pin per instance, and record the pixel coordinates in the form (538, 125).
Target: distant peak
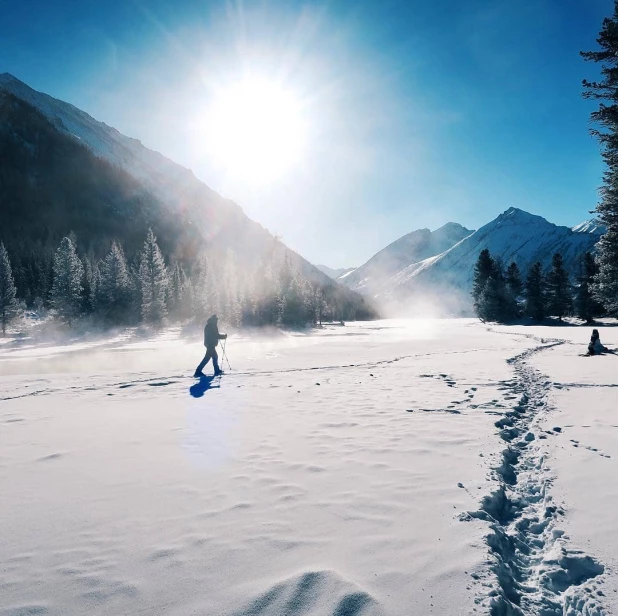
(515, 215)
(450, 227)
(6, 77)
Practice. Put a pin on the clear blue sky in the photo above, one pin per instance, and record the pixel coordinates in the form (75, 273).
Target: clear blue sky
(422, 112)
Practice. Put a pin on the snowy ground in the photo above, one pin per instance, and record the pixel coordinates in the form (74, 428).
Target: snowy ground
(419, 467)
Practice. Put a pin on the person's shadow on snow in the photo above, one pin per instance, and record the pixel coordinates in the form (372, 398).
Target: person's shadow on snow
(202, 386)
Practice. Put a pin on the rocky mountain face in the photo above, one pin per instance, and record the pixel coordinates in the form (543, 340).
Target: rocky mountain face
(374, 276)
(334, 273)
(442, 282)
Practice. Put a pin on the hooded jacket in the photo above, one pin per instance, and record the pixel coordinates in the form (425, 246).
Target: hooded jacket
(211, 333)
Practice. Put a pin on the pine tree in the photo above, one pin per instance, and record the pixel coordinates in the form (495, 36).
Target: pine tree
(174, 291)
(87, 285)
(535, 293)
(514, 289)
(586, 305)
(153, 281)
(202, 295)
(9, 306)
(114, 289)
(606, 117)
(513, 280)
(95, 283)
(559, 299)
(482, 271)
(490, 305)
(66, 293)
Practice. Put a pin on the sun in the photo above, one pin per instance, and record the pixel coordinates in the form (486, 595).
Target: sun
(256, 130)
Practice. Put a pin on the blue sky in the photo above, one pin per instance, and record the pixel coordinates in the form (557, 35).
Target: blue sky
(420, 112)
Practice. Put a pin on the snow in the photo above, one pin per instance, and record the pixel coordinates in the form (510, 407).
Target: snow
(593, 225)
(412, 248)
(353, 470)
(515, 235)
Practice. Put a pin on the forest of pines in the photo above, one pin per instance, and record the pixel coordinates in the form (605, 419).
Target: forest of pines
(149, 290)
(504, 296)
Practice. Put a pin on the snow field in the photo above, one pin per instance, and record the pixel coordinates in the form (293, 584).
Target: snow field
(327, 474)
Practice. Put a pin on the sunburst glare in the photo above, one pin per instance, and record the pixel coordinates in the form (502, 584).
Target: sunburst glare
(256, 130)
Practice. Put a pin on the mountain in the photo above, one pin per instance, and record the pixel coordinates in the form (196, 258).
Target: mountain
(444, 281)
(373, 277)
(334, 273)
(62, 171)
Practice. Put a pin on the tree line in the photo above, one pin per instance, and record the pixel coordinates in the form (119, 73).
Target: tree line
(504, 295)
(152, 290)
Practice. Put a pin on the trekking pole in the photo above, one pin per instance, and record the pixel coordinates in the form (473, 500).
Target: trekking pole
(225, 354)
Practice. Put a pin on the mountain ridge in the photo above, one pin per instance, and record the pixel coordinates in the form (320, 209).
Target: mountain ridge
(157, 191)
(410, 248)
(443, 281)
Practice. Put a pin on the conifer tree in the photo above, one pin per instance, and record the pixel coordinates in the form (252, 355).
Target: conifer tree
(174, 292)
(535, 294)
(513, 280)
(66, 293)
(114, 292)
(490, 305)
(559, 299)
(606, 117)
(95, 283)
(86, 284)
(586, 306)
(514, 289)
(482, 271)
(9, 307)
(153, 281)
(203, 305)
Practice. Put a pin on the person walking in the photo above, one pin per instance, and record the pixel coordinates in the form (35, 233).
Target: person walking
(211, 340)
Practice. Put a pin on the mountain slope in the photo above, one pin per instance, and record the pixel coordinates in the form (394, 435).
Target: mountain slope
(62, 171)
(372, 277)
(334, 273)
(515, 235)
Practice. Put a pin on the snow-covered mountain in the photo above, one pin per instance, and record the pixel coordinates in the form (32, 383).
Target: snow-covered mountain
(155, 190)
(373, 277)
(334, 273)
(445, 280)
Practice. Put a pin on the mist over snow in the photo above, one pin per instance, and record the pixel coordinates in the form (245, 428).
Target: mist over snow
(426, 273)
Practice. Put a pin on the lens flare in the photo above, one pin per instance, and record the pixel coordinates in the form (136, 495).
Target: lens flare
(255, 129)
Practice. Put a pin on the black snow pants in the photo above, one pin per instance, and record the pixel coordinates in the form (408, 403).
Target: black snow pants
(211, 353)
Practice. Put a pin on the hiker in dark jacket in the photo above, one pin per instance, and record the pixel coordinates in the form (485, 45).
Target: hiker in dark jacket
(595, 347)
(211, 340)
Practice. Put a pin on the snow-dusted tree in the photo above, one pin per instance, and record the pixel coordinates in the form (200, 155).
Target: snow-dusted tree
(66, 293)
(203, 290)
(9, 306)
(174, 290)
(87, 285)
(586, 306)
(232, 306)
(153, 281)
(95, 283)
(535, 292)
(606, 117)
(114, 292)
(559, 298)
